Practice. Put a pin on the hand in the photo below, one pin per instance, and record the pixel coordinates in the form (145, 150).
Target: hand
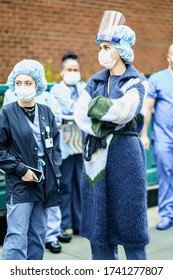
(29, 176)
(146, 142)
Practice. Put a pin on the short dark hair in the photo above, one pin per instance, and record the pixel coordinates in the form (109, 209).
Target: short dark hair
(69, 55)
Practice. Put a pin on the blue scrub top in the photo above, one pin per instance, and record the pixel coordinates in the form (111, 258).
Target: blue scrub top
(66, 97)
(161, 89)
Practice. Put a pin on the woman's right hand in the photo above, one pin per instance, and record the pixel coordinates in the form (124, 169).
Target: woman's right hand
(29, 176)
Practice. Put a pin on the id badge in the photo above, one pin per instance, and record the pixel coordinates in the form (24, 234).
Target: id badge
(49, 143)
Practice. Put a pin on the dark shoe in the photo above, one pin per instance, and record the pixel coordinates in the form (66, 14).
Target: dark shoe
(64, 237)
(165, 223)
(76, 232)
(53, 246)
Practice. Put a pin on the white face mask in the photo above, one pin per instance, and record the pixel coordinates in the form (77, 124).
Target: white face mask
(105, 59)
(25, 93)
(71, 78)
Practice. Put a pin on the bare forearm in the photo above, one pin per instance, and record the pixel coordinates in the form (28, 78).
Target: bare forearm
(147, 119)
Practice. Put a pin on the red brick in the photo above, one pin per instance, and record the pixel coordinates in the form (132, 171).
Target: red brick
(44, 30)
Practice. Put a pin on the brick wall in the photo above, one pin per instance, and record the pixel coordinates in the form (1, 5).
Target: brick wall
(45, 30)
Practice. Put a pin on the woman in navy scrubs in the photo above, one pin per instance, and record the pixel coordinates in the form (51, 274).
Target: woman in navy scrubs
(29, 139)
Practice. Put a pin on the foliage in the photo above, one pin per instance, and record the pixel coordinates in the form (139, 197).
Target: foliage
(50, 74)
(1, 100)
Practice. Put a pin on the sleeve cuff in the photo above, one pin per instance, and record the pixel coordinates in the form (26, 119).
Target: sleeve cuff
(23, 171)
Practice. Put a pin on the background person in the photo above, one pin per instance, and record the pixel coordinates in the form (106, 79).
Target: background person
(54, 232)
(67, 93)
(114, 195)
(29, 138)
(159, 100)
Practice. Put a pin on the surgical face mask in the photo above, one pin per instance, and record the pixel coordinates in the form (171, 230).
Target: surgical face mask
(105, 60)
(25, 93)
(71, 78)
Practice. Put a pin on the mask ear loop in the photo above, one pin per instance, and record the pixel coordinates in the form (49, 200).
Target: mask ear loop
(116, 59)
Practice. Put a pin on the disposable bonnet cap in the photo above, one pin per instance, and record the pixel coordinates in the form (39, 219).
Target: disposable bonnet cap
(31, 68)
(109, 20)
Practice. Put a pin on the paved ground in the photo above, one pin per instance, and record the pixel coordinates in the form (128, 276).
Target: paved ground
(160, 247)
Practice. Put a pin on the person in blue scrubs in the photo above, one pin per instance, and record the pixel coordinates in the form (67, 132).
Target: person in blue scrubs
(29, 146)
(159, 102)
(66, 93)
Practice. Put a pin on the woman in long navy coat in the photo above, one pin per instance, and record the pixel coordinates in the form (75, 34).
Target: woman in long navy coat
(29, 138)
(114, 196)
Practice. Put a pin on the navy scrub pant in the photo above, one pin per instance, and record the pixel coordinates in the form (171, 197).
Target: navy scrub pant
(71, 170)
